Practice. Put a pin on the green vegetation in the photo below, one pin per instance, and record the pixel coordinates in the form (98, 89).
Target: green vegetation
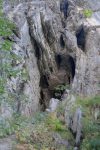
(59, 90)
(90, 121)
(7, 57)
(40, 132)
(6, 70)
(9, 126)
(7, 60)
(54, 123)
(88, 13)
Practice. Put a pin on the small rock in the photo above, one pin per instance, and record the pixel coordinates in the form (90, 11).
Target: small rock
(75, 148)
(53, 105)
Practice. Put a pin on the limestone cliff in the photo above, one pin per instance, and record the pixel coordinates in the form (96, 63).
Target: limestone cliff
(57, 45)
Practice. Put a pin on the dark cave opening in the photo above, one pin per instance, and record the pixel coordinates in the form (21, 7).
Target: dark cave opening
(51, 69)
(81, 37)
(42, 100)
(72, 66)
(44, 81)
(64, 7)
(55, 87)
(66, 62)
(58, 59)
(62, 43)
(45, 96)
(37, 50)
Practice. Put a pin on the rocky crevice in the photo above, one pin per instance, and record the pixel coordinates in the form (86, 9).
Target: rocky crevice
(57, 46)
(53, 40)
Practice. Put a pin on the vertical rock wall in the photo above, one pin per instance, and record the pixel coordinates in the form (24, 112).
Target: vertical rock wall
(57, 46)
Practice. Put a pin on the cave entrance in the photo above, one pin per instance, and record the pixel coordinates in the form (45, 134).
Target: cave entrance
(53, 85)
(44, 92)
(64, 7)
(67, 63)
(62, 42)
(66, 72)
(71, 62)
(81, 38)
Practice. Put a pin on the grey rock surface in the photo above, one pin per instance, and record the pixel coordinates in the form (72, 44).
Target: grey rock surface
(53, 105)
(56, 45)
(7, 143)
(52, 50)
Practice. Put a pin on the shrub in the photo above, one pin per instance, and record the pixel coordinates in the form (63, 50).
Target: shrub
(59, 90)
(91, 127)
(87, 13)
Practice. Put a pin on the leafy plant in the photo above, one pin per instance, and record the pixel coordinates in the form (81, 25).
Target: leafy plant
(6, 28)
(37, 132)
(59, 90)
(54, 123)
(7, 61)
(91, 126)
(11, 125)
(87, 13)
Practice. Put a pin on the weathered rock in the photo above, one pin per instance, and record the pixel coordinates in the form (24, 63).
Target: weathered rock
(56, 45)
(23, 48)
(69, 103)
(73, 119)
(6, 111)
(7, 143)
(87, 78)
(75, 148)
(77, 126)
(53, 105)
(60, 141)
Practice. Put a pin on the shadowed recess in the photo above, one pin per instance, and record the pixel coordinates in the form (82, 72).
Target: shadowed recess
(37, 50)
(44, 81)
(64, 7)
(72, 66)
(58, 59)
(66, 62)
(62, 43)
(81, 36)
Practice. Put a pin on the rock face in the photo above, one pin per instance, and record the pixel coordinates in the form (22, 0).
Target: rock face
(88, 71)
(87, 77)
(73, 119)
(7, 143)
(57, 45)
